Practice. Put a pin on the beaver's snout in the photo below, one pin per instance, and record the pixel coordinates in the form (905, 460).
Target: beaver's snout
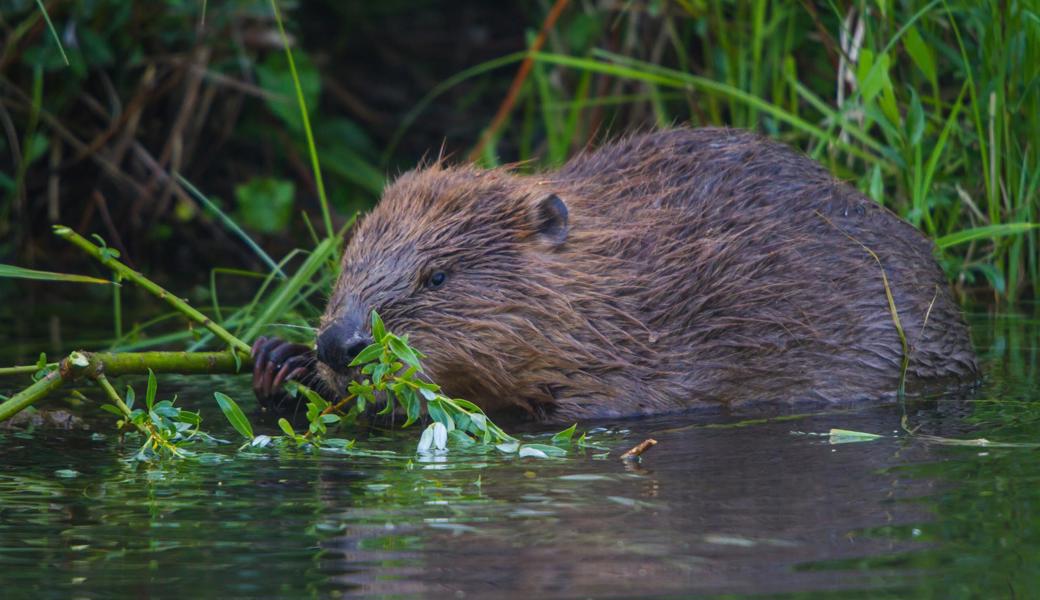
(341, 342)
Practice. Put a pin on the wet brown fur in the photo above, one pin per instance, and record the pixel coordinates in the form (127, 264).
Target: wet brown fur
(701, 268)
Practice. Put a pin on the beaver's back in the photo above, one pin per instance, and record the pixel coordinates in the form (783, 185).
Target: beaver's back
(756, 275)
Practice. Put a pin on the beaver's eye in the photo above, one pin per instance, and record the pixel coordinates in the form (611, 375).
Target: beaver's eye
(436, 280)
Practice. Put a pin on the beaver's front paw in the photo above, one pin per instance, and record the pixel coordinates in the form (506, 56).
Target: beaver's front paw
(276, 361)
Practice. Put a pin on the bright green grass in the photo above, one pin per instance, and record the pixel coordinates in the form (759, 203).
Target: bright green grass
(938, 119)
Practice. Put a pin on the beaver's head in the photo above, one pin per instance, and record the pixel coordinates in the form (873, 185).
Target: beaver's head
(460, 261)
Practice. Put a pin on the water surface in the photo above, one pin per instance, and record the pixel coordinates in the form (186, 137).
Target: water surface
(718, 508)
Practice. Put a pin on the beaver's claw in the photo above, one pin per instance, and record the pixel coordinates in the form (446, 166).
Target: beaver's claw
(276, 361)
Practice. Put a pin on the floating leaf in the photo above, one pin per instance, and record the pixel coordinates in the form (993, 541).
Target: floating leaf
(528, 451)
(545, 449)
(845, 436)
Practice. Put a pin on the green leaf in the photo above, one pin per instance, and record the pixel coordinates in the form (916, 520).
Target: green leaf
(378, 328)
(275, 77)
(330, 419)
(234, 415)
(129, 397)
(440, 436)
(153, 385)
(112, 408)
(439, 415)
(459, 438)
(921, 53)
(314, 397)
(479, 421)
(412, 406)
(186, 416)
(877, 185)
(265, 204)
(915, 119)
(403, 351)
(845, 436)
(286, 427)
(20, 273)
(564, 437)
(871, 75)
(370, 353)
(548, 450)
(508, 447)
(984, 232)
(426, 439)
(528, 451)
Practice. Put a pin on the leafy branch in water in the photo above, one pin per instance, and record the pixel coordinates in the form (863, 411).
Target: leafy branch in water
(391, 371)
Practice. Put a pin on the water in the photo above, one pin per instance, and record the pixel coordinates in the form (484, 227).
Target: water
(744, 509)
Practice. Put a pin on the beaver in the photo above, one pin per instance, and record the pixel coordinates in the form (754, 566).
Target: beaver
(667, 271)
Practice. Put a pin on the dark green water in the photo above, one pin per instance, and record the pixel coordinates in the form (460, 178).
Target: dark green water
(751, 510)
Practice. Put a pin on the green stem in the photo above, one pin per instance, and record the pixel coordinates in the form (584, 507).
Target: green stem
(126, 272)
(22, 369)
(148, 429)
(96, 364)
(31, 394)
(311, 148)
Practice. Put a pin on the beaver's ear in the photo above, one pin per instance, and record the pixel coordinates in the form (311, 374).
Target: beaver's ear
(550, 218)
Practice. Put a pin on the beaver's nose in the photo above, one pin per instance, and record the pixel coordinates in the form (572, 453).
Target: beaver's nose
(340, 344)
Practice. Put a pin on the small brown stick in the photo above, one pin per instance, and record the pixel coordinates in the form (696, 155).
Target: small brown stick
(518, 81)
(639, 448)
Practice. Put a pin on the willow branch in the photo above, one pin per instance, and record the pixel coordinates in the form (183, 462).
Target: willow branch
(93, 365)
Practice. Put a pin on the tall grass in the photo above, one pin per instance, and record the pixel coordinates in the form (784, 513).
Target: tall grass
(932, 108)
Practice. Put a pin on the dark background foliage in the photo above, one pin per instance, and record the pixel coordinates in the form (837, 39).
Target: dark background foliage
(930, 107)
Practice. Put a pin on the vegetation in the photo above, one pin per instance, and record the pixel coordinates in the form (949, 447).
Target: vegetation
(929, 107)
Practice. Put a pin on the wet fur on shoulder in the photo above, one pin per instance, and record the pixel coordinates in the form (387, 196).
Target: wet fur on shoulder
(666, 271)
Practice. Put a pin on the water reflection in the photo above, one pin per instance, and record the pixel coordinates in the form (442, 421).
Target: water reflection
(737, 509)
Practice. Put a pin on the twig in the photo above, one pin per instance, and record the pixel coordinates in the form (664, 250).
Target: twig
(640, 448)
(518, 81)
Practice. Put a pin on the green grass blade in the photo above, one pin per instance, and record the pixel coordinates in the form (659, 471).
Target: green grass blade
(230, 224)
(305, 119)
(627, 68)
(54, 32)
(20, 273)
(290, 289)
(984, 232)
